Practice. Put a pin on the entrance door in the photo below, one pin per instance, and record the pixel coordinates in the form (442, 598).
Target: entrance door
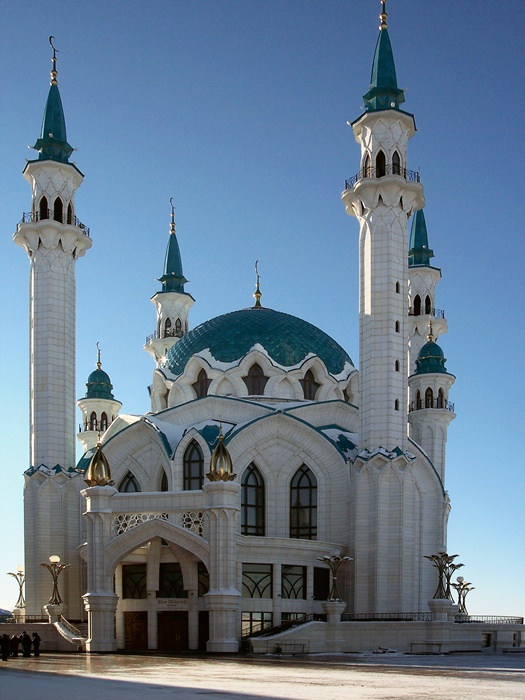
(173, 631)
(204, 629)
(136, 631)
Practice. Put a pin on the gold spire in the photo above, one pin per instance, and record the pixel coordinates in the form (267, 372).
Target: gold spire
(258, 293)
(221, 465)
(99, 363)
(172, 224)
(98, 473)
(430, 335)
(54, 71)
(383, 16)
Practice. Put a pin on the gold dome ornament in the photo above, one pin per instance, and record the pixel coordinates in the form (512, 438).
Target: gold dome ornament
(221, 465)
(98, 473)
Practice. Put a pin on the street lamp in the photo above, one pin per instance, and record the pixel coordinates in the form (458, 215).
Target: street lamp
(55, 568)
(444, 563)
(463, 588)
(334, 562)
(20, 579)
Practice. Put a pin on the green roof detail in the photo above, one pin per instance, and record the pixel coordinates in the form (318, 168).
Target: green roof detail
(383, 93)
(287, 340)
(431, 359)
(52, 144)
(99, 385)
(419, 253)
(173, 279)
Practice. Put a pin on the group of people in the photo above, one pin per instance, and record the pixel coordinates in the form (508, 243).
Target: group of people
(9, 645)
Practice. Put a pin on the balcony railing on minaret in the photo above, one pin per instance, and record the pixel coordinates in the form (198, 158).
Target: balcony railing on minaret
(29, 217)
(431, 403)
(409, 175)
(168, 333)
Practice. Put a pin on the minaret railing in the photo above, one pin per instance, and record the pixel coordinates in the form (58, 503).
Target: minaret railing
(431, 403)
(29, 217)
(370, 172)
(436, 313)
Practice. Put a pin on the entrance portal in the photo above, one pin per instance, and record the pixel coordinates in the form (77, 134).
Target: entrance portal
(173, 631)
(136, 631)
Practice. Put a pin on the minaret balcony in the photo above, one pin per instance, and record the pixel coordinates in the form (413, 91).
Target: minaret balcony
(93, 426)
(436, 313)
(431, 403)
(376, 173)
(168, 333)
(30, 217)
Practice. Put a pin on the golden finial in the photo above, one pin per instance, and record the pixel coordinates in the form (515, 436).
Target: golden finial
(221, 465)
(99, 363)
(258, 293)
(172, 225)
(383, 15)
(430, 335)
(54, 71)
(98, 472)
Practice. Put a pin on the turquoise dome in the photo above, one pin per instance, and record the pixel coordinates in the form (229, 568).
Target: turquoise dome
(430, 359)
(99, 385)
(287, 340)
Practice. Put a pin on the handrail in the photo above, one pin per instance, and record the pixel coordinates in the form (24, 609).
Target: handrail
(71, 220)
(376, 173)
(499, 619)
(170, 333)
(431, 403)
(436, 313)
(71, 628)
(387, 617)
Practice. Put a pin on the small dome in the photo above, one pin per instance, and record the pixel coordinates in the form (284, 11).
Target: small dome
(431, 359)
(288, 340)
(99, 385)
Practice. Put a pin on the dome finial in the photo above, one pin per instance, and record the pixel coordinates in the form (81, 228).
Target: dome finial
(99, 363)
(383, 16)
(430, 335)
(258, 293)
(172, 224)
(54, 71)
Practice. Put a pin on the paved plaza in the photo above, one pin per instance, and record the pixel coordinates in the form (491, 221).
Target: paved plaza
(348, 677)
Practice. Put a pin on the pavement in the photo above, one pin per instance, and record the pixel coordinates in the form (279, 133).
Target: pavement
(312, 677)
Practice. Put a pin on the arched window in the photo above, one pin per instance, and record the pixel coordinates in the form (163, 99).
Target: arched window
(396, 405)
(417, 305)
(255, 380)
(69, 214)
(167, 328)
(201, 385)
(58, 210)
(397, 365)
(396, 164)
(164, 482)
(428, 304)
(309, 385)
(103, 422)
(43, 209)
(429, 398)
(366, 166)
(178, 328)
(193, 467)
(129, 484)
(93, 421)
(441, 399)
(398, 327)
(398, 288)
(303, 505)
(252, 502)
(418, 400)
(380, 164)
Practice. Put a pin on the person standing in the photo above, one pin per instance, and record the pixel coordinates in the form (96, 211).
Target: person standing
(13, 645)
(36, 643)
(4, 646)
(25, 640)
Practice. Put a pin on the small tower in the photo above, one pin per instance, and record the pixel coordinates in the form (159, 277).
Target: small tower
(430, 412)
(99, 407)
(54, 239)
(422, 280)
(172, 302)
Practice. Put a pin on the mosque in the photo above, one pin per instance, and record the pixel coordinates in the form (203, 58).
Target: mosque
(272, 483)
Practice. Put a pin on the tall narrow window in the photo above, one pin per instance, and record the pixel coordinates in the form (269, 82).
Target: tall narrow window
(69, 214)
(167, 328)
(293, 582)
(380, 164)
(103, 422)
(429, 398)
(398, 288)
(93, 421)
(43, 209)
(255, 380)
(129, 484)
(193, 467)
(201, 385)
(417, 305)
(428, 304)
(303, 505)
(398, 327)
(58, 210)
(252, 502)
(396, 405)
(441, 399)
(397, 365)
(396, 164)
(419, 403)
(366, 166)
(309, 385)
(178, 328)
(164, 482)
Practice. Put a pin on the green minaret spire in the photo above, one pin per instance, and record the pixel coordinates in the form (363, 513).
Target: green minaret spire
(418, 251)
(172, 278)
(52, 144)
(383, 93)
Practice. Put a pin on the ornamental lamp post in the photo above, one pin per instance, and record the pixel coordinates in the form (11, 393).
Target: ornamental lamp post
(55, 568)
(20, 579)
(334, 562)
(463, 588)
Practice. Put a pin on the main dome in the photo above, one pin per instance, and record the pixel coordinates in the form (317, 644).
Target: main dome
(288, 340)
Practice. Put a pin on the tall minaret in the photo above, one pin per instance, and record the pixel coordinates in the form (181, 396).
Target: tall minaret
(172, 302)
(422, 280)
(53, 238)
(382, 196)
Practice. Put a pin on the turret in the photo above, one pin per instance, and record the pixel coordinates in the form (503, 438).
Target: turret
(172, 302)
(422, 280)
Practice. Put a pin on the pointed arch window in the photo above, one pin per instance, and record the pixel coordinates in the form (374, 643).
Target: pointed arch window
(429, 398)
(309, 385)
(428, 304)
(43, 209)
(398, 288)
(201, 385)
(396, 163)
(69, 214)
(419, 403)
(129, 484)
(167, 328)
(303, 504)
(380, 164)
(398, 327)
(58, 210)
(417, 305)
(255, 380)
(178, 328)
(93, 421)
(441, 399)
(103, 422)
(396, 405)
(193, 467)
(397, 366)
(252, 502)
(366, 166)
(164, 482)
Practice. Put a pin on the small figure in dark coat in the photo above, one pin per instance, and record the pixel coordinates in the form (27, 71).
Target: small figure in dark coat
(36, 643)
(4, 646)
(13, 645)
(25, 641)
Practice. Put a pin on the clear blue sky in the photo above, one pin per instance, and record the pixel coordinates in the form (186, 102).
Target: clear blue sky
(237, 109)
